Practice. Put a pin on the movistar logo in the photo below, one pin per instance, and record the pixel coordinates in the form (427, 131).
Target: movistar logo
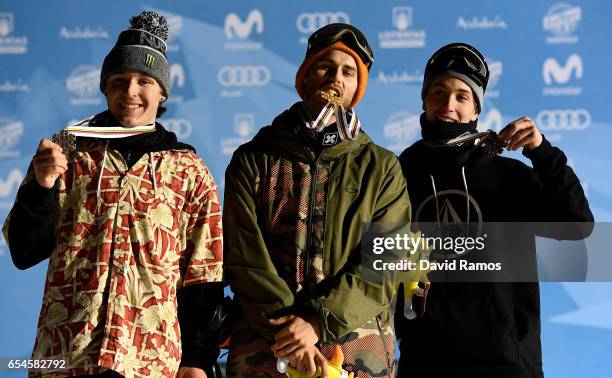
(149, 60)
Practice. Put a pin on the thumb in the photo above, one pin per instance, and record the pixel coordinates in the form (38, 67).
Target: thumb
(281, 320)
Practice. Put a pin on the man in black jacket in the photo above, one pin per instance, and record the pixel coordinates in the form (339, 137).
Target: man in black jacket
(477, 328)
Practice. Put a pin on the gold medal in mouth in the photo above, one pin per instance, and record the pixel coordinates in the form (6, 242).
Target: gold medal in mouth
(331, 96)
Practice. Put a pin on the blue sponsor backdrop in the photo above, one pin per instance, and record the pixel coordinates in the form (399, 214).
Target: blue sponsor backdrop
(233, 66)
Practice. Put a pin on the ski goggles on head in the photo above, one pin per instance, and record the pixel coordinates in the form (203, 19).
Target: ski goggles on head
(348, 34)
(461, 58)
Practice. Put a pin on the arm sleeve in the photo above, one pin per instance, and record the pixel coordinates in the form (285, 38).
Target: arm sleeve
(30, 226)
(202, 259)
(353, 298)
(197, 308)
(202, 289)
(561, 197)
(248, 267)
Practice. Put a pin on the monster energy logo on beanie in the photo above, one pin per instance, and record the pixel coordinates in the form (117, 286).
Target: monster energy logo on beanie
(150, 60)
(142, 48)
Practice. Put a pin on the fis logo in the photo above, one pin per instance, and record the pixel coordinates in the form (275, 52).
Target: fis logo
(235, 27)
(551, 70)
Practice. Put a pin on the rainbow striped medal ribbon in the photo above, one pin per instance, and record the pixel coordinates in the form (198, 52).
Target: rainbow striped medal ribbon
(348, 127)
(66, 138)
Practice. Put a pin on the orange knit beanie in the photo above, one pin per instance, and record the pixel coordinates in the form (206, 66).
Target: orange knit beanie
(362, 70)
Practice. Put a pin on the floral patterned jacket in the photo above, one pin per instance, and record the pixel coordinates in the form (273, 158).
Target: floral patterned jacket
(127, 239)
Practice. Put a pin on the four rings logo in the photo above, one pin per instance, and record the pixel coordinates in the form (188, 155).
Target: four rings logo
(564, 119)
(551, 70)
(244, 76)
(180, 126)
(309, 22)
(234, 27)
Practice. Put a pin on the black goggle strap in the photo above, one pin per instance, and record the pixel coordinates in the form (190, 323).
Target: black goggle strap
(465, 64)
(328, 38)
(480, 66)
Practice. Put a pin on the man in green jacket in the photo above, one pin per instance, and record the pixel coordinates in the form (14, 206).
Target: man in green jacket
(296, 198)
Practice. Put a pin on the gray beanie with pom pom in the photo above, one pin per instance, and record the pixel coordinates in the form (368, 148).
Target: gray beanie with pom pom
(142, 48)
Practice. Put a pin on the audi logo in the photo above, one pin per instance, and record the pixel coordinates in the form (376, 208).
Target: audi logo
(180, 126)
(563, 119)
(309, 22)
(244, 76)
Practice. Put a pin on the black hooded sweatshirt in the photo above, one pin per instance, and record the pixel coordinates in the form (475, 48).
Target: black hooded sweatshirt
(32, 235)
(485, 329)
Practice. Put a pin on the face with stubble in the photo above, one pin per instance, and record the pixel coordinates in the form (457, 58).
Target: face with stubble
(336, 71)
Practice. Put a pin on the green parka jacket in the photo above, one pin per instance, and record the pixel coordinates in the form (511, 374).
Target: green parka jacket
(293, 220)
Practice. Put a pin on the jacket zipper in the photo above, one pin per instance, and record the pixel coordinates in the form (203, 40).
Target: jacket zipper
(313, 188)
(384, 345)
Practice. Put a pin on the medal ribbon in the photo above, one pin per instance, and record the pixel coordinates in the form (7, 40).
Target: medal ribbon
(84, 129)
(347, 128)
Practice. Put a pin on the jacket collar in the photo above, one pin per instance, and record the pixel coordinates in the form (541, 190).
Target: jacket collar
(288, 134)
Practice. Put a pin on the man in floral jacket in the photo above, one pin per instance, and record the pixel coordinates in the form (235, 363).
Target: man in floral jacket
(130, 219)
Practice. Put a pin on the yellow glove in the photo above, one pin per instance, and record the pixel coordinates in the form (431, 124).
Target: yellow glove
(334, 367)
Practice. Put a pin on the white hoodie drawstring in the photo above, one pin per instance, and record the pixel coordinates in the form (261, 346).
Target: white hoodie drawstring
(467, 195)
(102, 170)
(153, 179)
(435, 192)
